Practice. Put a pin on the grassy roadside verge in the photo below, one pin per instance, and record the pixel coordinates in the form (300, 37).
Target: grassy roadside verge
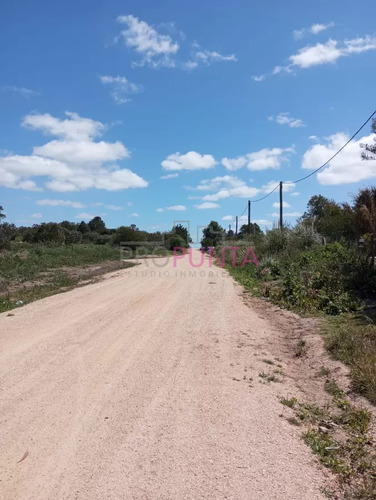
(32, 272)
(351, 338)
(338, 432)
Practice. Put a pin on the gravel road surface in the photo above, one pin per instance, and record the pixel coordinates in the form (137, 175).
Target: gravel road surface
(146, 385)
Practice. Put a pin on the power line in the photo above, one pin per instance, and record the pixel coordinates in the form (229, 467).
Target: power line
(263, 198)
(317, 169)
(244, 211)
(335, 154)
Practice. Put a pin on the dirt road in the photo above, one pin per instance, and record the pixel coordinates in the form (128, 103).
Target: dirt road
(146, 386)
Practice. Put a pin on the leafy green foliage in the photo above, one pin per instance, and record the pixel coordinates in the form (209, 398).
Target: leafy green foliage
(50, 232)
(214, 235)
(96, 224)
(323, 279)
(330, 219)
(249, 229)
(369, 152)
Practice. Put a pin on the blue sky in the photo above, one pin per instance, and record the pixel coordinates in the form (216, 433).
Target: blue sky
(148, 112)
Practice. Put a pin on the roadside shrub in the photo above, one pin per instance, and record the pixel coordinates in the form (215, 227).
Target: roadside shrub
(275, 242)
(323, 279)
(302, 237)
(129, 237)
(73, 237)
(7, 233)
(175, 240)
(50, 233)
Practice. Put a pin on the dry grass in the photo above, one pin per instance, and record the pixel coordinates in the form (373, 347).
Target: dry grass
(352, 340)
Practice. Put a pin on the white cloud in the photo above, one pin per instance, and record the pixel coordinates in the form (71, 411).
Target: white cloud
(287, 188)
(327, 53)
(190, 65)
(154, 49)
(74, 162)
(263, 222)
(284, 204)
(318, 28)
(207, 58)
(38, 215)
(295, 193)
(60, 203)
(313, 55)
(174, 208)
(259, 160)
(83, 152)
(324, 53)
(169, 176)
(315, 29)
(23, 91)
(287, 214)
(121, 88)
(228, 217)
(135, 214)
(85, 216)
(286, 119)
(226, 187)
(72, 128)
(160, 50)
(207, 205)
(234, 163)
(258, 78)
(189, 161)
(347, 167)
(215, 183)
(108, 207)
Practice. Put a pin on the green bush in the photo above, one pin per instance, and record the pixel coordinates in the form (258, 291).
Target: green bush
(325, 278)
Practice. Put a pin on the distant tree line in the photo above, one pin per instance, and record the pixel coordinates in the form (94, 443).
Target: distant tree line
(92, 232)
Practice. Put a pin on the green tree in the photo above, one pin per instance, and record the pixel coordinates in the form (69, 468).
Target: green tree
(49, 232)
(365, 210)
(129, 237)
(315, 208)
(97, 225)
(73, 237)
(69, 226)
(182, 231)
(2, 215)
(251, 228)
(332, 220)
(83, 227)
(214, 235)
(369, 152)
(7, 233)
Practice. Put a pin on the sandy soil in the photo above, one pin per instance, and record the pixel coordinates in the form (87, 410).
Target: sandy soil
(146, 386)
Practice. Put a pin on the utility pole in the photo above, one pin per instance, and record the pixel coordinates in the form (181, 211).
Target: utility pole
(236, 226)
(249, 215)
(280, 206)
